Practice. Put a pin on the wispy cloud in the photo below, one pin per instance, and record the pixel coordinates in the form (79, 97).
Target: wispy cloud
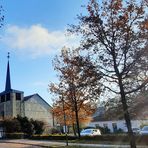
(36, 40)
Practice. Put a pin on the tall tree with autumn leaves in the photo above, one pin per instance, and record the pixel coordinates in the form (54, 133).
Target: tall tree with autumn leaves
(85, 112)
(78, 85)
(116, 31)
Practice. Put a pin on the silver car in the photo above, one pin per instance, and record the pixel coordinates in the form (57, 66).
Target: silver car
(144, 130)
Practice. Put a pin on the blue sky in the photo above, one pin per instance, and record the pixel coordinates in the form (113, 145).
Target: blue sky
(33, 32)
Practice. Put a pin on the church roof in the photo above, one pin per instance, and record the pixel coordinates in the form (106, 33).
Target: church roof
(30, 96)
(8, 81)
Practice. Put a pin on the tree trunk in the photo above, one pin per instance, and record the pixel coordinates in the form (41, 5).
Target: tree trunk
(126, 115)
(75, 109)
(74, 130)
(77, 119)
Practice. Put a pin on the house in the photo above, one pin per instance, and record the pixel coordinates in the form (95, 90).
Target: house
(114, 121)
(13, 103)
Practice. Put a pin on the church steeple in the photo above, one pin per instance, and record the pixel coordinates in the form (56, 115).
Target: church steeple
(8, 80)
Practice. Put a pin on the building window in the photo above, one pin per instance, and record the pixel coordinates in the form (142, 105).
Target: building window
(97, 126)
(114, 127)
(105, 125)
(3, 98)
(2, 114)
(18, 96)
(8, 97)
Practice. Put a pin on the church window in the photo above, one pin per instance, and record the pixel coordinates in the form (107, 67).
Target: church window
(8, 97)
(3, 98)
(18, 96)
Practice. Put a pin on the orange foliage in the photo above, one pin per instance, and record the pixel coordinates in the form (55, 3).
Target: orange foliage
(85, 113)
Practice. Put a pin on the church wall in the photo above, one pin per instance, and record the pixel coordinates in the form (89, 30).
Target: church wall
(1, 110)
(37, 109)
(9, 106)
(6, 107)
(13, 105)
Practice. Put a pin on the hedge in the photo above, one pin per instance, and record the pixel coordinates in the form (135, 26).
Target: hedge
(53, 137)
(15, 135)
(140, 139)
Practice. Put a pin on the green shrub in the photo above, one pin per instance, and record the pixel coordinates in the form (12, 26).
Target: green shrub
(53, 137)
(38, 126)
(14, 135)
(11, 125)
(54, 131)
(118, 131)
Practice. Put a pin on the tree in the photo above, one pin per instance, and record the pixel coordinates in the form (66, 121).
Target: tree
(85, 113)
(11, 125)
(1, 16)
(26, 125)
(117, 33)
(38, 126)
(78, 82)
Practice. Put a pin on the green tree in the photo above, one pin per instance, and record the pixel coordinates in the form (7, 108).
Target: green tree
(26, 125)
(38, 126)
(11, 125)
(116, 31)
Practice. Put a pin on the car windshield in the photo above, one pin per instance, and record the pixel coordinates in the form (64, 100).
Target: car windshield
(145, 128)
(87, 131)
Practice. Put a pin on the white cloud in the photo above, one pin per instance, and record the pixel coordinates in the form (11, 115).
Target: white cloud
(36, 40)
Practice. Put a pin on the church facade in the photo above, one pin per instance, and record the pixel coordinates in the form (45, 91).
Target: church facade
(13, 103)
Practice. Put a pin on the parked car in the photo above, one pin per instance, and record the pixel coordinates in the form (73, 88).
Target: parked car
(90, 132)
(144, 130)
(136, 130)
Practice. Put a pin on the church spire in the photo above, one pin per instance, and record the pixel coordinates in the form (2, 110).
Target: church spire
(8, 80)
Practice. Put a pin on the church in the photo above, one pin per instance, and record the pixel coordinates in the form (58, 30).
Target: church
(13, 103)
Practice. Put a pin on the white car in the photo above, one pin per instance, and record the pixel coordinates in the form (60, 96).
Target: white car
(90, 132)
(144, 130)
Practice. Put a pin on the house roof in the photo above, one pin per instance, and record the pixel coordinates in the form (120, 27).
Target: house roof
(138, 110)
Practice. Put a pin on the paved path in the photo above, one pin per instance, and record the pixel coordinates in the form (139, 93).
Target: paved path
(13, 145)
(44, 143)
